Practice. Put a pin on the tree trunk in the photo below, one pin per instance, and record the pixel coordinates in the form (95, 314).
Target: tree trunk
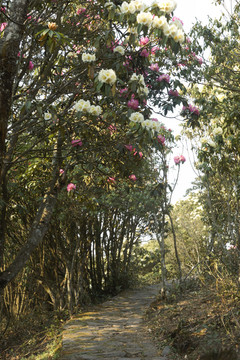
(37, 232)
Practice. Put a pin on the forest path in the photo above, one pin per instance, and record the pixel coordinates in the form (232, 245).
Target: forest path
(113, 330)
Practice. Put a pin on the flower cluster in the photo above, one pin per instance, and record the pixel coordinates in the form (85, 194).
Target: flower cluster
(132, 7)
(107, 76)
(86, 107)
(164, 77)
(179, 159)
(192, 109)
(165, 6)
(174, 29)
(119, 49)
(88, 57)
(142, 88)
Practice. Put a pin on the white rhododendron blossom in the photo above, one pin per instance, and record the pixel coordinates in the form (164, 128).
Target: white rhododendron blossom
(143, 90)
(179, 37)
(134, 77)
(145, 18)
(139, 5)
(167, 6)
(95, 110)
(136, 117)
(211, 143)
(173, 30)
(82, 105)
(217, 131)
(131, 8)
(204, 140)
(107, 76)
(159, 22)
(85, 106)
(88, 57)
(166, 30)
(47, 116)
(124, 8)
(119, 49)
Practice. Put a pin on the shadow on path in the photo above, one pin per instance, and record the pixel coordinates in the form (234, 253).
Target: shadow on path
(113, 330)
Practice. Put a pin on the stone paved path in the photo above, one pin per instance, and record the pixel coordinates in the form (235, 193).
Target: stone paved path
(113, 330)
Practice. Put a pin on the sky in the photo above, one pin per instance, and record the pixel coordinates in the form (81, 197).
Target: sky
(188, 11)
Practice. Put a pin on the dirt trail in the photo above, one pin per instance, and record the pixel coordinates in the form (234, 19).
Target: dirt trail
(113, 330)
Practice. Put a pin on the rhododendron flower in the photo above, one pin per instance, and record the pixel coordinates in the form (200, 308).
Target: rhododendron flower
(177, 20)
(161, 139)
(182, 159)
(2, 26)
(81, 11)
(111, 180)
(71, 187)
(167, 6)
(76, 142)
(140, 154)
(144, 53)
(136, 117)
(217, 131)
(52, 26)
(61, 171)
(133, 104)
(119, 49)
(144, 40)
(176, 160)
(47, 116)
(112, 129)
(154, 67)
(159, 22)
(154, 119)
(95, 110)
(82, 105)
(154, 49)
(145, 18)
(179, 159)
(107, 76)
(122, 91)
(164, 77)
(173, 93)
(88, 57)
(133, 177)
(30, 65)
(129, 147)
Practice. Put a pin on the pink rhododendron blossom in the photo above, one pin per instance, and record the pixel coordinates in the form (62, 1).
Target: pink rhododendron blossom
(133, 104)
(182, 159)
(143, 41)
(154, 67)
(164, 77)
(161, 139)
(128, 147)
(71, 187)
(3, 26)
(3, 9)
(76, 142)
(112, 129)
(154, 49)
(176, 160)
(192, 109)
(200, 60)
(123, 91)
(61, 171)
(140, 154)
(133, 177)
(179, 159)
(111, 180)
(144, 53)
(81, 11)
(154, 119)
(30, 65)
(173, 93)
(175, 18)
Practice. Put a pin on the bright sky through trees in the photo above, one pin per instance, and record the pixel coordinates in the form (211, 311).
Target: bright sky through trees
(188, 11)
